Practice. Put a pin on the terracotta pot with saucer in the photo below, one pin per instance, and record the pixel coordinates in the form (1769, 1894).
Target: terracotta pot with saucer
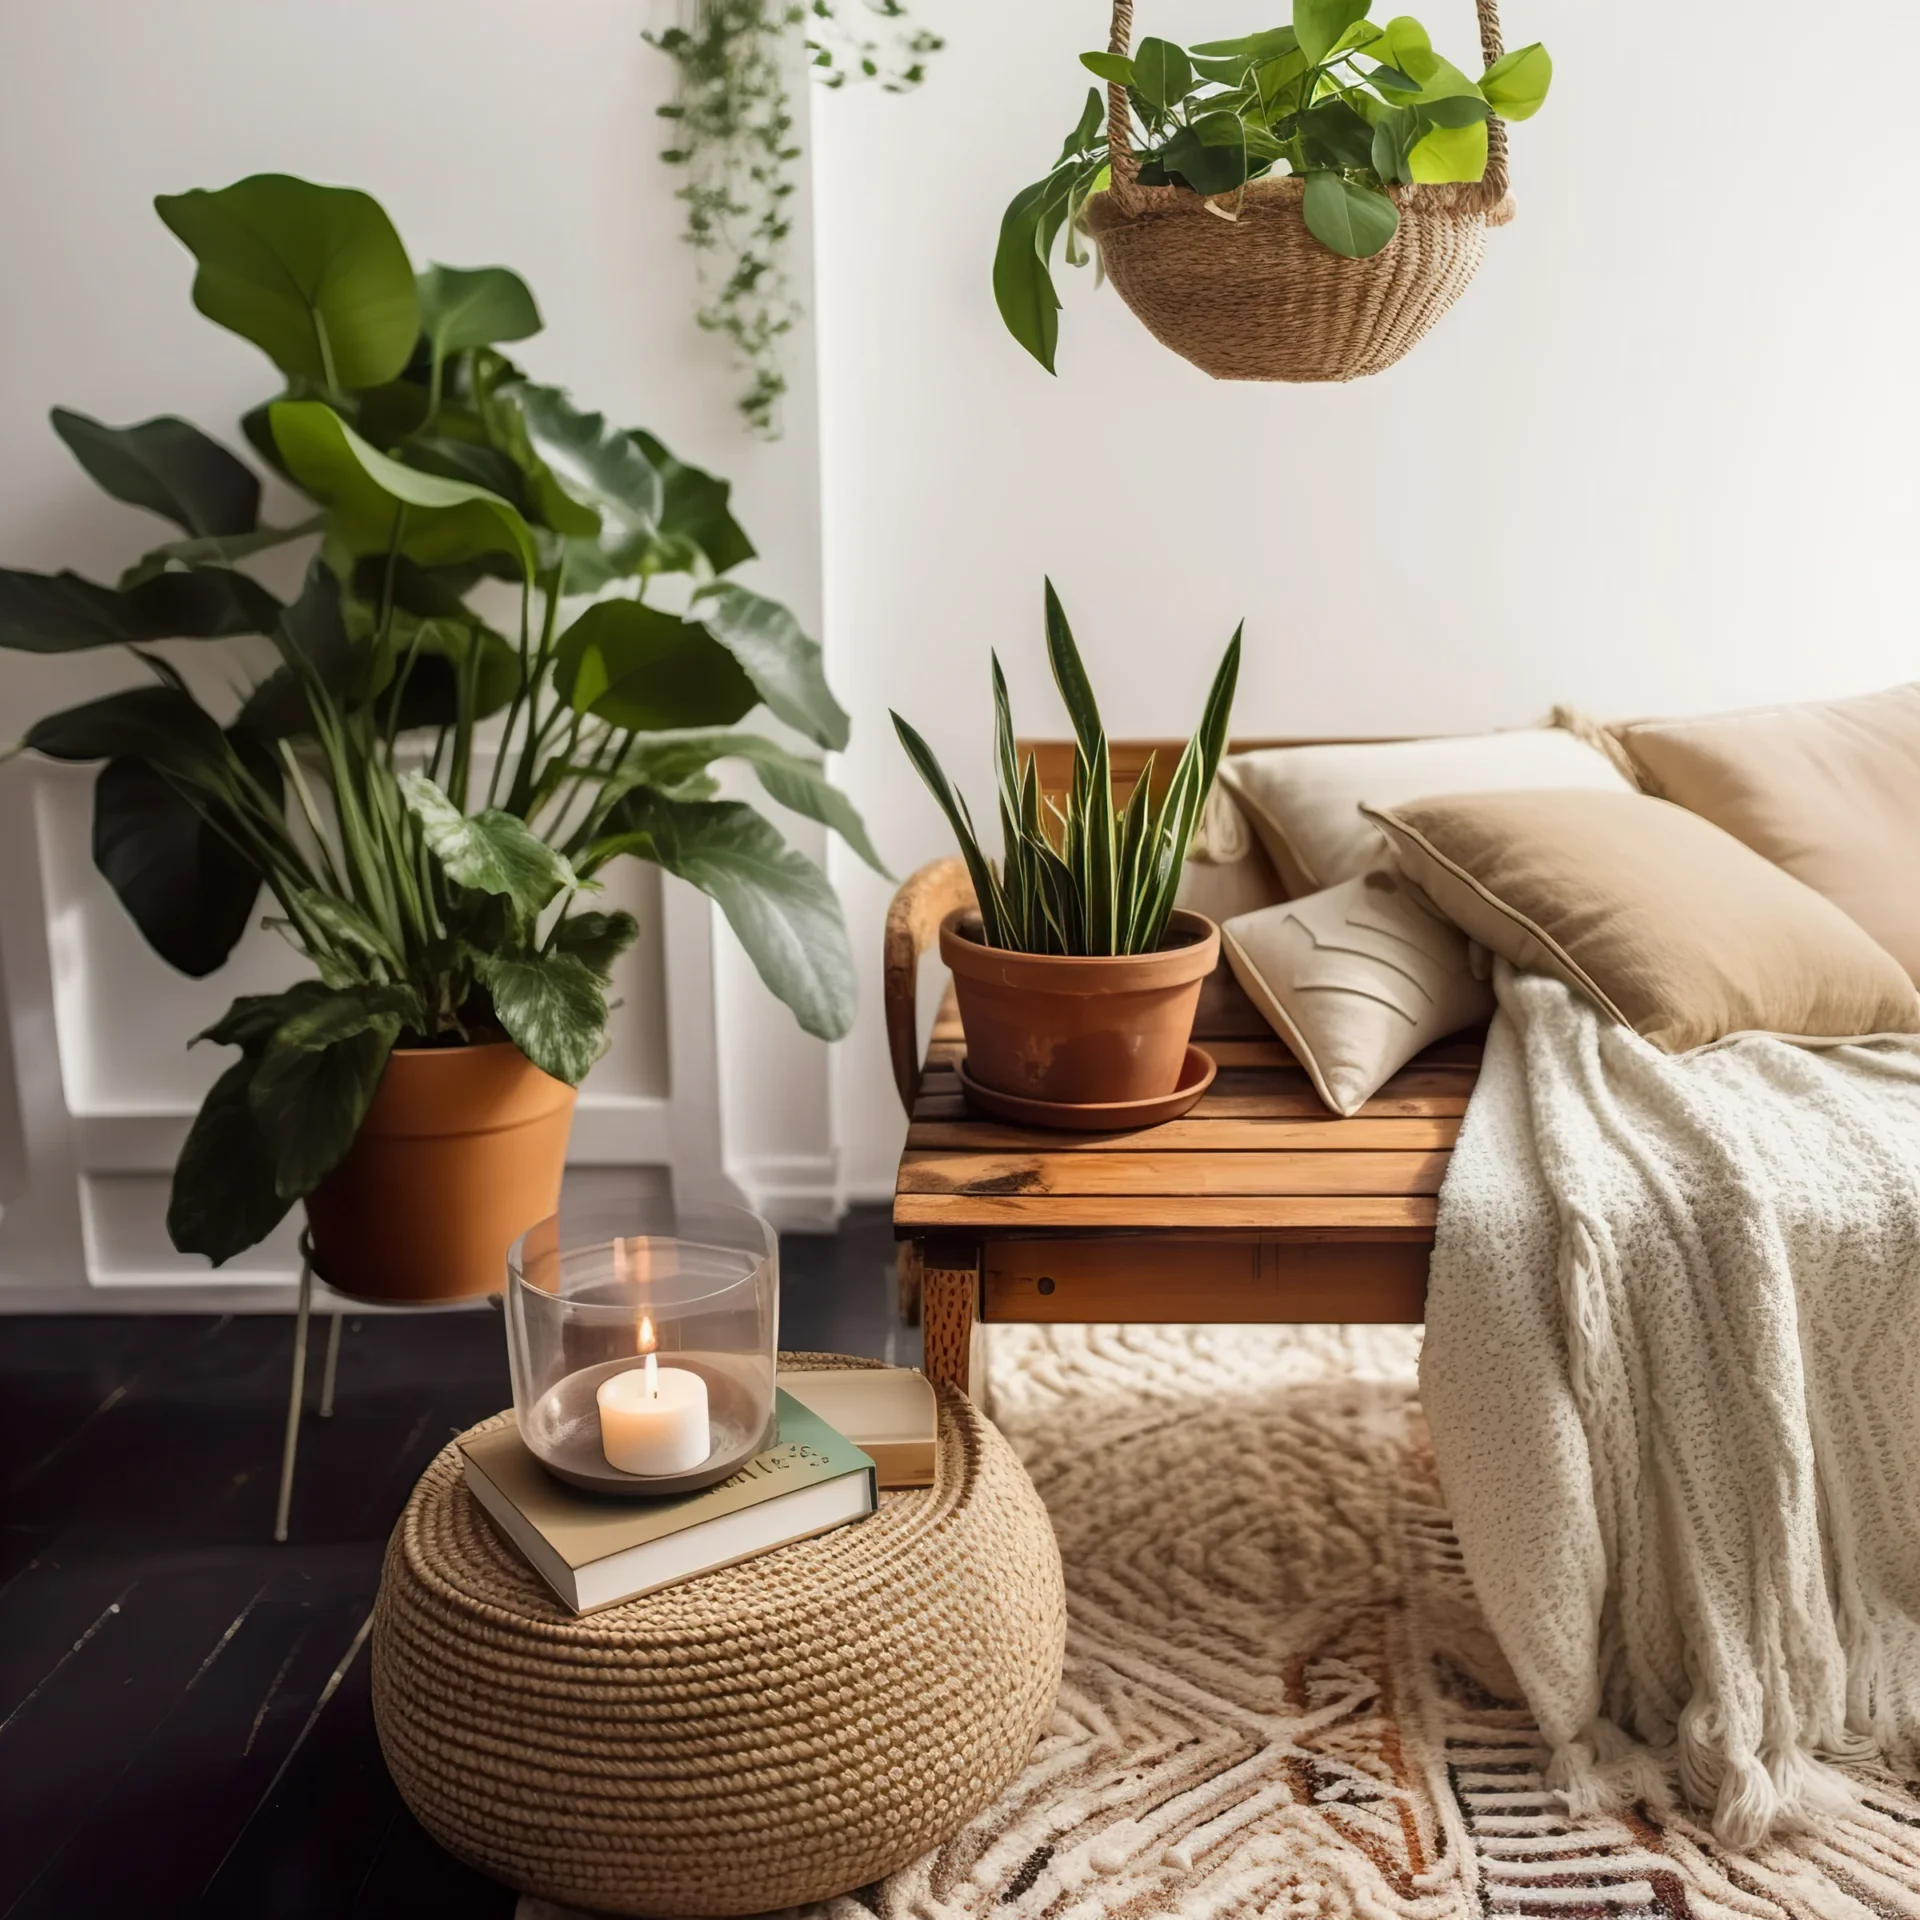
(1052, 1036)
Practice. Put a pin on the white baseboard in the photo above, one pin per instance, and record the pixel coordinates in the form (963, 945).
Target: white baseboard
(799, 1193)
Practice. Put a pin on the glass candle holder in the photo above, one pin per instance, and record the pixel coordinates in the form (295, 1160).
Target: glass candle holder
(643, 1344)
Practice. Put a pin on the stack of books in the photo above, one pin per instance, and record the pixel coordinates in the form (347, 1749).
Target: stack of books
(844, 1435)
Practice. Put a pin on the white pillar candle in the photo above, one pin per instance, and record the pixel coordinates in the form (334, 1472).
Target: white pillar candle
(653, 1419)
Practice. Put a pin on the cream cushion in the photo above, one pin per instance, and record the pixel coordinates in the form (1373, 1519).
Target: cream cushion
(1671, 925)
(1356, 980)
(1831, 792)
(1304, 802)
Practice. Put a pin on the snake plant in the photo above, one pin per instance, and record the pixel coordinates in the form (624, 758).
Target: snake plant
(1089, 877)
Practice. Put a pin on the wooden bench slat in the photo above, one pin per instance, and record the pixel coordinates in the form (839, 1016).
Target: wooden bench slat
(956, 1212)
(1170, 1175)
(1326, 1134)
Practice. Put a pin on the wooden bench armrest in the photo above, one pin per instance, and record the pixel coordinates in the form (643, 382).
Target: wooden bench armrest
(913, 926)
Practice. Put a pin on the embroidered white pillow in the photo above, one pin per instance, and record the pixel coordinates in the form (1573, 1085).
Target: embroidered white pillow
(1304, 802)
(1356, 980)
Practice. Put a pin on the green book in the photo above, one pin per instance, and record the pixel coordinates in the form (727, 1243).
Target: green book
(595, 1553)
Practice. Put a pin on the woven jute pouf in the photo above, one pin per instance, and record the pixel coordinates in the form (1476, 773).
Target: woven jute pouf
(777, 1732)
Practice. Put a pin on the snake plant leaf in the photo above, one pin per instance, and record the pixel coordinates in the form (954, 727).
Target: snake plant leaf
(1516, 84)
(224, 1199)
(374, 501)
(596, 940)
(462, 307)
(175, 869)
(1162, 72)
(312, 1085)
(778, 657)
(314, 276)
(1070, 676)
(1319, 24)
(698, 533)
(1348, 219)
(167, 466)
(62, 613)
(641, 668)
(776, 900)
(986, 888)
(492, 851)
(553, 1007)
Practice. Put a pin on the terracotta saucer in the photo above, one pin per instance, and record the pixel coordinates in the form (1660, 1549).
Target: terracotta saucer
(1115, 1116)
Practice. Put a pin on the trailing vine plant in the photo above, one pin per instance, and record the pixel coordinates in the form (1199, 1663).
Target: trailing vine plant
(734, 136)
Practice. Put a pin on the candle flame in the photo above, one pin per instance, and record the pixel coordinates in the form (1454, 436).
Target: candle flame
(643, 1335)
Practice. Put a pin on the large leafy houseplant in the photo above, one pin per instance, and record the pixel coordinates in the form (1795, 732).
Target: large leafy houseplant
(426, 797)
(1355, 108)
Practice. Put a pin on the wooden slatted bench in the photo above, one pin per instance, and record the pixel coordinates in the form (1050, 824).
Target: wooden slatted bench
(1259, 1205)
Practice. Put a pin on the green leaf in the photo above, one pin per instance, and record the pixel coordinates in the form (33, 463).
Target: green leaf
(1394, 135)
(696, 522)
(1023, 287)
(1162, 72)
(1449, 153)
(346, 926)
(1455, 110)
(1115, 68)
(639, 667)
(62, 613)
(181, 879)
(1336, 136)
(492, 851)
(161, 725)
(224, 1199)
(1070, 676)
(214, 550)
(314, 1082)
(986, 889)
(440, 521)
(553, 1007)
(463, 307)
(1318, 24)
(315, 276)
(1210, 155)
(167, 466)
(255, 1018)
(1354, 221)
(596, 940)
(778, 658)
(776, 900)
(1516, 84)
(1273, 44)
(1086, 130)
(597, 466)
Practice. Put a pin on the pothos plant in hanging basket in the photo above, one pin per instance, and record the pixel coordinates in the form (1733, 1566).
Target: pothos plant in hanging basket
(445, 750)
(1076, 974)
(1235, 190)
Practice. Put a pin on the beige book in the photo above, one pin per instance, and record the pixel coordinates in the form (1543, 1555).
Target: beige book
(596, 1552)
(890, 1413)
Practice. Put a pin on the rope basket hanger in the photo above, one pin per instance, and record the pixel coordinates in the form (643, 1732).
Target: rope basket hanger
(1258, 297)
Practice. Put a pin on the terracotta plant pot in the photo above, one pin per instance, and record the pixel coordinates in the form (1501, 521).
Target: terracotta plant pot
(1074, 1031)
(461, 1151)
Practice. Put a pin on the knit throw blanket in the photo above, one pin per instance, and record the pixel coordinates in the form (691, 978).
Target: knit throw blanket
(1672, 1372)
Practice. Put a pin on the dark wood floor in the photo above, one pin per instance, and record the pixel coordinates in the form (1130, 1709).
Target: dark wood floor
(185, 1725)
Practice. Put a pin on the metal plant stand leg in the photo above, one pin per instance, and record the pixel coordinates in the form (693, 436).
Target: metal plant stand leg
(331, 1371)
(296, 1392)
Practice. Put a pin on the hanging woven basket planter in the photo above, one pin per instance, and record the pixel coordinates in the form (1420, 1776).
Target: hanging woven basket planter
(1238, 285)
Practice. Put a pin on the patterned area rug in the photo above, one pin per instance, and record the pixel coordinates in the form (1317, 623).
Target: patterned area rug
(1280, 1698)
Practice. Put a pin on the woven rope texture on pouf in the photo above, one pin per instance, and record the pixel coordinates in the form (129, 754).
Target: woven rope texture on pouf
(1238, 285)
(777, 1732)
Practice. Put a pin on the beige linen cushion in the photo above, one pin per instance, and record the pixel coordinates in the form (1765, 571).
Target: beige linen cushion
(1304, 802)
(1227, 871)
(1671, 925)
(1831, 792)
(1356, 980)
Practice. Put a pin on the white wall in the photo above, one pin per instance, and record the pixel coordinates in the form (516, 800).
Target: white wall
(491, 132)
(1659, 458)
